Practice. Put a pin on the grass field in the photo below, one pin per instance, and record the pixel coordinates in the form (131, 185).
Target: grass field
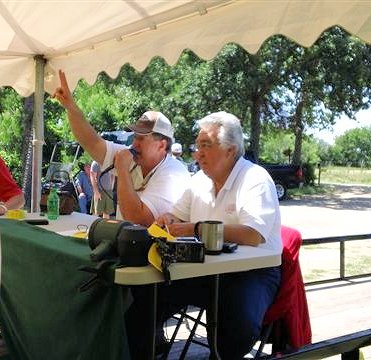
(345, 175)
(322, 262)
(334, 175)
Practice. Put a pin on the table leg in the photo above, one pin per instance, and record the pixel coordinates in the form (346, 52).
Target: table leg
(152, 320)
(212, 321)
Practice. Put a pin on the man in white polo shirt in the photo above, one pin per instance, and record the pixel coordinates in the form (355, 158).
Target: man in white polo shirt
(231, 189)
(149, 182)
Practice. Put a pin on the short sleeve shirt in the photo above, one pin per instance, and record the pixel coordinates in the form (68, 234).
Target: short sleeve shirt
(248, 197)
(106, 181)
(8, 186)
(166, 182)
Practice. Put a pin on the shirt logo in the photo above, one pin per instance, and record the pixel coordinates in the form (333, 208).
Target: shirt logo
(230, 209)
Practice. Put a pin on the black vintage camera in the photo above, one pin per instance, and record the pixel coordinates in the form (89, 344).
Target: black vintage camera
(114, 238)
(187, 250)
(179, 250)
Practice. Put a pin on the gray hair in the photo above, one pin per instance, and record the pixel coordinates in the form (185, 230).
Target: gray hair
(230, 130)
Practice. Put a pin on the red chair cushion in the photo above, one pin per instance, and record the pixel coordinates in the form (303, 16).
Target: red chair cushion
(290, 305)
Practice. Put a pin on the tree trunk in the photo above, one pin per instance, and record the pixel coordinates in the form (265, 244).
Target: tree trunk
(255, 127)
(298, 131)
(27, 149)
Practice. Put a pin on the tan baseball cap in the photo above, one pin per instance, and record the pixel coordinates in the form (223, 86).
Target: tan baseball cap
(152, 122)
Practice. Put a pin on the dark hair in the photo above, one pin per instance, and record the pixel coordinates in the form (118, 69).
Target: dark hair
(82, 165)
(169, 141)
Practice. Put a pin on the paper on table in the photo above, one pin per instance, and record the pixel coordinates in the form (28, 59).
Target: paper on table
(74, 233)
(153, 255)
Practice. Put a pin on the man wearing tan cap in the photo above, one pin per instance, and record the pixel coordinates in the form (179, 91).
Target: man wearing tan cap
(148, 182)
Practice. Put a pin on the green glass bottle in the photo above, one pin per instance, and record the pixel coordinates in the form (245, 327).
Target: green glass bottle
(53, 204)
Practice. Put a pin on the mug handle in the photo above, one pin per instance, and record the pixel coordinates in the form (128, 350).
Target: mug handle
(196, 232)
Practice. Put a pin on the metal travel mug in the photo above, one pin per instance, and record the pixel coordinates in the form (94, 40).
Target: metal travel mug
(212, 235)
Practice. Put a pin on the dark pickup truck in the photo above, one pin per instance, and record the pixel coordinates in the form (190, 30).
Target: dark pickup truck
(285, 177)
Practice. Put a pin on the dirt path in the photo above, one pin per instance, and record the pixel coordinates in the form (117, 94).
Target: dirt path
(345, 210)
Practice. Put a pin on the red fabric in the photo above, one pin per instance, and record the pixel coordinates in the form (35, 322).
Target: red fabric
(290, 306)
(8, 187)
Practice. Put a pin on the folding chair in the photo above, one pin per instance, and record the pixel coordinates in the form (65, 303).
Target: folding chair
(181, 317)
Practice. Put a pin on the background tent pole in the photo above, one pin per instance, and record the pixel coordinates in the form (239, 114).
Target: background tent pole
(38, 133)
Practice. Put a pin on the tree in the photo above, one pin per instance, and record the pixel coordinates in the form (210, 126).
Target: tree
(328, 79)
(353, 148)
(28, 106)
(244, 82)
(11, 130)
(277, 146)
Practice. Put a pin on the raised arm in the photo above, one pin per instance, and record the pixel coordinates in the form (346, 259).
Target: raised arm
(84, 133)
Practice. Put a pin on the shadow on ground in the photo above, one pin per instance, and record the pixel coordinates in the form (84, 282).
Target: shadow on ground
(337, 197)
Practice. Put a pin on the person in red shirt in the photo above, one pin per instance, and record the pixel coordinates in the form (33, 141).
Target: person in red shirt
(11, 195)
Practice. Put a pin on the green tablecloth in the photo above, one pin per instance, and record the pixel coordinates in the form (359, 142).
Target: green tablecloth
(42, 313)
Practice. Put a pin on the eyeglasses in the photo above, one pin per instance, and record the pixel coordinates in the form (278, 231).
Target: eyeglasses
(205, 145)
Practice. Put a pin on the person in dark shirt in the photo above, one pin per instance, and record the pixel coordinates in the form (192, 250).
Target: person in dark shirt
(84, 188)
(193, 166)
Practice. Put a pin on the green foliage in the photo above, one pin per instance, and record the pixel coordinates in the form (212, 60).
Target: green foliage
(244, 82)
(331, 77)
(11, 129)
(191, 98)
(309, 172)
(273, 146)
(100, 107)
(324, 81)
(275, 143)
(308, 190)
(353, 148)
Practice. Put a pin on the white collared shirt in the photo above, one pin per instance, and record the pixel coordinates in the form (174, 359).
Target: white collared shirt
(248, 197)
(166, 182)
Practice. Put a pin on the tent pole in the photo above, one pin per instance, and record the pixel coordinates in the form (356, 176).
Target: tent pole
(38, 133)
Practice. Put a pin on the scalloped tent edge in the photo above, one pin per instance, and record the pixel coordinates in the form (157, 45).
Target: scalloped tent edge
(86, 38)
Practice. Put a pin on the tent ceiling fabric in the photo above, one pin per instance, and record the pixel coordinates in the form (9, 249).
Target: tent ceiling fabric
(86, 37)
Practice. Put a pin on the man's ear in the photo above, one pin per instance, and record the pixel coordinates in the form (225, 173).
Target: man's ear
(232, 151)
(163, 144)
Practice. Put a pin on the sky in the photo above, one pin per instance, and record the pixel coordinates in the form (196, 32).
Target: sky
(342, 125)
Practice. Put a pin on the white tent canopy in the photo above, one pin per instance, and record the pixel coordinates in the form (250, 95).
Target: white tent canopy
(85, 37)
